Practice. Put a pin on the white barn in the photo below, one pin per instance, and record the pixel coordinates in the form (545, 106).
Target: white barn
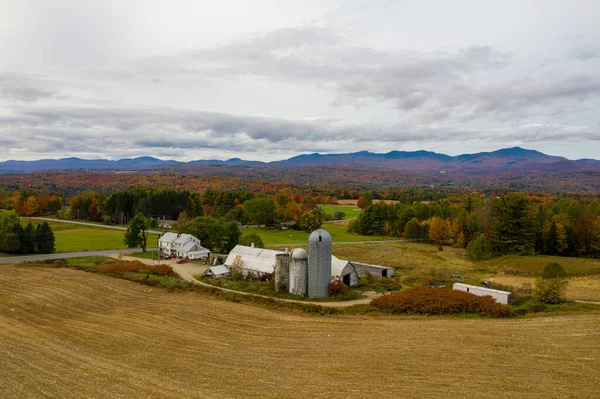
(182, 245)
(261, 262)
(502, 297)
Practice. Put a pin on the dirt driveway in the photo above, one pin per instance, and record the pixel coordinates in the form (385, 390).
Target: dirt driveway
(187, 271)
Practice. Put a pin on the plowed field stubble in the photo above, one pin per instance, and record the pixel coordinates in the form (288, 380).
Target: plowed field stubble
(67, 333)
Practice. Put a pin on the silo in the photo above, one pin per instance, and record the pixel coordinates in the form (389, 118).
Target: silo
(298, 272)
(281, 274)
(319, 263)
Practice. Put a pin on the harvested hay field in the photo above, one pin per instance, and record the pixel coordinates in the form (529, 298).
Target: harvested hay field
(70, 334)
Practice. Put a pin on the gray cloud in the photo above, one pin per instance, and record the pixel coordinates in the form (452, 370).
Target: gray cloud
(474, 83)
(20, 87)
(65, 130)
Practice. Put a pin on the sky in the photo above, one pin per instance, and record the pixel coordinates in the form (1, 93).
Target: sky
(270, 79)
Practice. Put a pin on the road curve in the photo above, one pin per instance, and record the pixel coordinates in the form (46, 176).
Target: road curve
(186, 271)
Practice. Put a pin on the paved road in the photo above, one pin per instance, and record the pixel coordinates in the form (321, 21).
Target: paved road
(64, 255)
(101, 226)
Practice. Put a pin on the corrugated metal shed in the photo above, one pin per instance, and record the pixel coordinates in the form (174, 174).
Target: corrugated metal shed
(218, 271)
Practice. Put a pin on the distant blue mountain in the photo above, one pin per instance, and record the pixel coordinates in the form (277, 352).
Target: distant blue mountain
(515, 158)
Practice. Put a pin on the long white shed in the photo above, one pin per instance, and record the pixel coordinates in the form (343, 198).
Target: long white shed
(502, 297)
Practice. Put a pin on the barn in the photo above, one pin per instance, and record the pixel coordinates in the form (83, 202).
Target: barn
(258, 261)
(261, 262)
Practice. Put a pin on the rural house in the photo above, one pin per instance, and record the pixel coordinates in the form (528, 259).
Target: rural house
(182, 245)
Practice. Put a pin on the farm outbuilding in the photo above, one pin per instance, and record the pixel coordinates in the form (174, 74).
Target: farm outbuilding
(343, 270)
(217, 271)
(374, 270)
(502, 297)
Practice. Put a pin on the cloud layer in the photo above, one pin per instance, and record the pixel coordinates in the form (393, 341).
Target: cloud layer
(305, 88)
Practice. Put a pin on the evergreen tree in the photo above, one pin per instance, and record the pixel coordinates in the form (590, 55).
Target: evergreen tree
(512, 227)
(552, 241)
(28, 240)
(44, 238)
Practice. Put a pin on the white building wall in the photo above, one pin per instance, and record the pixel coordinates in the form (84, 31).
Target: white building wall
(502, 297)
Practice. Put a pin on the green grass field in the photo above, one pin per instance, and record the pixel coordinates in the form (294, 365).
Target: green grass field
(73, 238)
(351, 211)
(338, 233)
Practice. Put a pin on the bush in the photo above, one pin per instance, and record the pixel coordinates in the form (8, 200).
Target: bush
(553, 270)
(479, 249)
(136, 266)
(366, 278)
(437, 301)
(250, 239)
(336, 288)
(549, 290)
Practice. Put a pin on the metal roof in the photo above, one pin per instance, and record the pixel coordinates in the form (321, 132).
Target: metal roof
(183, 239)
(254, 259)
(263, 260)
(340, 267)
(218, 270)
(485, 289)
(187, 246)
(168, 237)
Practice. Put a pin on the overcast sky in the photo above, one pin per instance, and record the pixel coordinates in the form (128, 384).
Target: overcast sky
(266, 80)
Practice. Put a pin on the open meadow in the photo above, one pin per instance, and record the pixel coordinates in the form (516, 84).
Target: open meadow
(73, 237)
(338, 233)
(415, 261)
(71, 334)
(350, 211)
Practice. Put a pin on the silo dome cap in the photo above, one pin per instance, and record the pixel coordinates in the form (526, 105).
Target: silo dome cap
(320, 235)
(299, 253)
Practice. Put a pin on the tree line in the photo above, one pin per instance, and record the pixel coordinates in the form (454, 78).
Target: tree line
(510, 223)
(16, 239)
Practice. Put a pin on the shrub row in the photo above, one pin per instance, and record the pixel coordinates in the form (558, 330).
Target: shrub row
(437, 301)
(136, 266)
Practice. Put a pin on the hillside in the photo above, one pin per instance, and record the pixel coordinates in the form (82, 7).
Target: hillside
(71, 334)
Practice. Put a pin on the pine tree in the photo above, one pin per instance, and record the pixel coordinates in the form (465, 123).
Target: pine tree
(512, 228)
(28, 240)
(44, 238)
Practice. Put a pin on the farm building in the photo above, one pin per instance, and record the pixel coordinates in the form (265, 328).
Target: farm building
(182, 245)
(375, 270)
(502, 297)
(294, 270)
(258, 261)
(217, 271)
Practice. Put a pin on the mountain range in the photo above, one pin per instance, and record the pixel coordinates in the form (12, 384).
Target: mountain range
(506, 159)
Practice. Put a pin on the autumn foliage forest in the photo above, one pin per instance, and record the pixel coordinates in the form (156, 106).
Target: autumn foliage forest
(493, 220)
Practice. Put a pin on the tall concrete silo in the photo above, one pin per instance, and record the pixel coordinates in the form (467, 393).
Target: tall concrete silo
(298, 272)
(319, 263)
(282, 272)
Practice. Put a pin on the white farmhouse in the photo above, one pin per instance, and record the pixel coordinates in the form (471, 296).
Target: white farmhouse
(182, 245)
